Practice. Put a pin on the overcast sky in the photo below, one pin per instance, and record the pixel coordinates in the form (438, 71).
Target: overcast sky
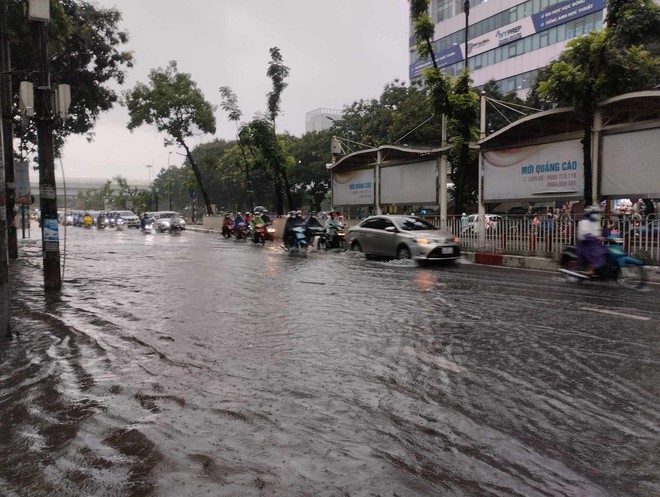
(338, 51)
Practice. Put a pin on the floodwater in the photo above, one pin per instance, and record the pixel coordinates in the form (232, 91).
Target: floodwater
(192, 365)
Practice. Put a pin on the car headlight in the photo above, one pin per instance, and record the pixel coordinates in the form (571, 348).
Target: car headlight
(422, 241)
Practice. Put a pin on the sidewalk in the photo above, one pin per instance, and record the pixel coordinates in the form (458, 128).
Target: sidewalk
(490, 259)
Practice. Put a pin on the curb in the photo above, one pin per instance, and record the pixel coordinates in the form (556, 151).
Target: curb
(531, 262)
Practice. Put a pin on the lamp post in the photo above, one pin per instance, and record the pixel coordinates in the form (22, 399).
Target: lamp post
(466, 9)
(149, 166)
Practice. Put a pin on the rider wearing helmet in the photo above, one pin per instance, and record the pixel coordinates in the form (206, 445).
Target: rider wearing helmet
(590, 249)
(295, 219)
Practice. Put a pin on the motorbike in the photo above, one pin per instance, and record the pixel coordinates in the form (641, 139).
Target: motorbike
(259, 235)
(627, 271)
(120, 224)
(227, 231)
(148, 228)
(270, 233)
(102, 223)
(243, 232)
(334, 239)
(175, 229)
(299, 246)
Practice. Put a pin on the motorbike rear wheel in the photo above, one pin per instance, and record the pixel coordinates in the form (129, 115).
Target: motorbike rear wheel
(632, 276)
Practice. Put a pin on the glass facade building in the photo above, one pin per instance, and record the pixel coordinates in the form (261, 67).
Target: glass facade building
(507, 40)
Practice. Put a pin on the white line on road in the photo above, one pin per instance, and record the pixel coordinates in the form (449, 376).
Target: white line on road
(614, 313)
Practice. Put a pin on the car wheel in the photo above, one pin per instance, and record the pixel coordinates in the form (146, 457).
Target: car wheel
(403, 252)
(355, 247)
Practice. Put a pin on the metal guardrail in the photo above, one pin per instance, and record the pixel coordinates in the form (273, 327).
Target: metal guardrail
(543, 237)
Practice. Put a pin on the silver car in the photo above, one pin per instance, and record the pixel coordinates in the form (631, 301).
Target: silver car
(403, 237)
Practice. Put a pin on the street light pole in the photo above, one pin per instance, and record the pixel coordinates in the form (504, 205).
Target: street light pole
(149, 166)
(44, 114)
(466, 9)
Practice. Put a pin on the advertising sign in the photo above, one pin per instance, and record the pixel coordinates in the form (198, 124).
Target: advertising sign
(552, 170)
(353, 187)
(630, 164)
(444, 58)
(22, 183)
(409, 183)
(503, 36)
(565, 12)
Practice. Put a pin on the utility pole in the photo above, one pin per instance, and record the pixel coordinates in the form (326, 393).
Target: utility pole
(8, 131)
(5, 329)
(45, 125)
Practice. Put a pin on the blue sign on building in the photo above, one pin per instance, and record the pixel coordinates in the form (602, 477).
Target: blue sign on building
(565, 12)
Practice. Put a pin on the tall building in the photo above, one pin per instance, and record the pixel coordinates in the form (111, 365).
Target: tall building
(508, 40)
(320, 119)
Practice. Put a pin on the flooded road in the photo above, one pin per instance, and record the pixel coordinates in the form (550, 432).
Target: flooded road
(192, 365)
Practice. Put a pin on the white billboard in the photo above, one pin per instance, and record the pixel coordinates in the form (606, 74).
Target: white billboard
(552, 170)
(409, 183)
(353, 187)
(630, 164)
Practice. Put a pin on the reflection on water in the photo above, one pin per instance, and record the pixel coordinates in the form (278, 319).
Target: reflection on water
(193, 365)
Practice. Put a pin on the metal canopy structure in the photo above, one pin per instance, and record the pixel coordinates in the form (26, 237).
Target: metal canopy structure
(391, 175)
(388, 153)
(541, 155)
(552, 124)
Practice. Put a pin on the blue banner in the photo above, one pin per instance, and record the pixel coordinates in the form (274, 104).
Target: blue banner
(444, 58)
(565, 12)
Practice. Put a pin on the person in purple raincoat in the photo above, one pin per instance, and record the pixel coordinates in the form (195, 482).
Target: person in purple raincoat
(590, 250)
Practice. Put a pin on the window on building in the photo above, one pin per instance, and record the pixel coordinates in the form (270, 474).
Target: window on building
(443, 10)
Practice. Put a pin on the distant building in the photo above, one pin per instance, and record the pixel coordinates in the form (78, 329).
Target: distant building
(508, 40)
(320, 119)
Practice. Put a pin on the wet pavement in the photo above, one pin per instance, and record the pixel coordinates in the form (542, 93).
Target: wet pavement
(192, 365)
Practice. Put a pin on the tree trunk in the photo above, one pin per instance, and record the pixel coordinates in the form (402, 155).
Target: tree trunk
(198, 176)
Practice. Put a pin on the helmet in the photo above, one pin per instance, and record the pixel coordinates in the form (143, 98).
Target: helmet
(247, 213)
(591, 210)
(464, 214)
(292, 213)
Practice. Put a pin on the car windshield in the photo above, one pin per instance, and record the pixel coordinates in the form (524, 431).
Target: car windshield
(125, 213)
(415, 224)
(165, 215)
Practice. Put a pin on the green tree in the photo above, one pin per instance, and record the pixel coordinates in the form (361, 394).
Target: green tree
(454, 98)
(603, 64)
(401, 115)
(230, 105)
(84, 52)
(309, 174)
(278, 73)
(173, 103)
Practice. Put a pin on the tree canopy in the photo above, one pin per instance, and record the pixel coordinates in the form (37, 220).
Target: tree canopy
(173, 103)
(85, 51)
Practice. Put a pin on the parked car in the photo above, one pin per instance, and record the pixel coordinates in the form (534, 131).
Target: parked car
(403, 237)
(129, 217)
(161, 220)
(492, 222)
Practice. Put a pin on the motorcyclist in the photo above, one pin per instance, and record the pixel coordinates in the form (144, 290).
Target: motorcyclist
(88, 220)
(295, 219)
(227, 225)
(256, 221)
(144, 222)
(313, 227)
(175, 224)
(590, 250)
(332, 226)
